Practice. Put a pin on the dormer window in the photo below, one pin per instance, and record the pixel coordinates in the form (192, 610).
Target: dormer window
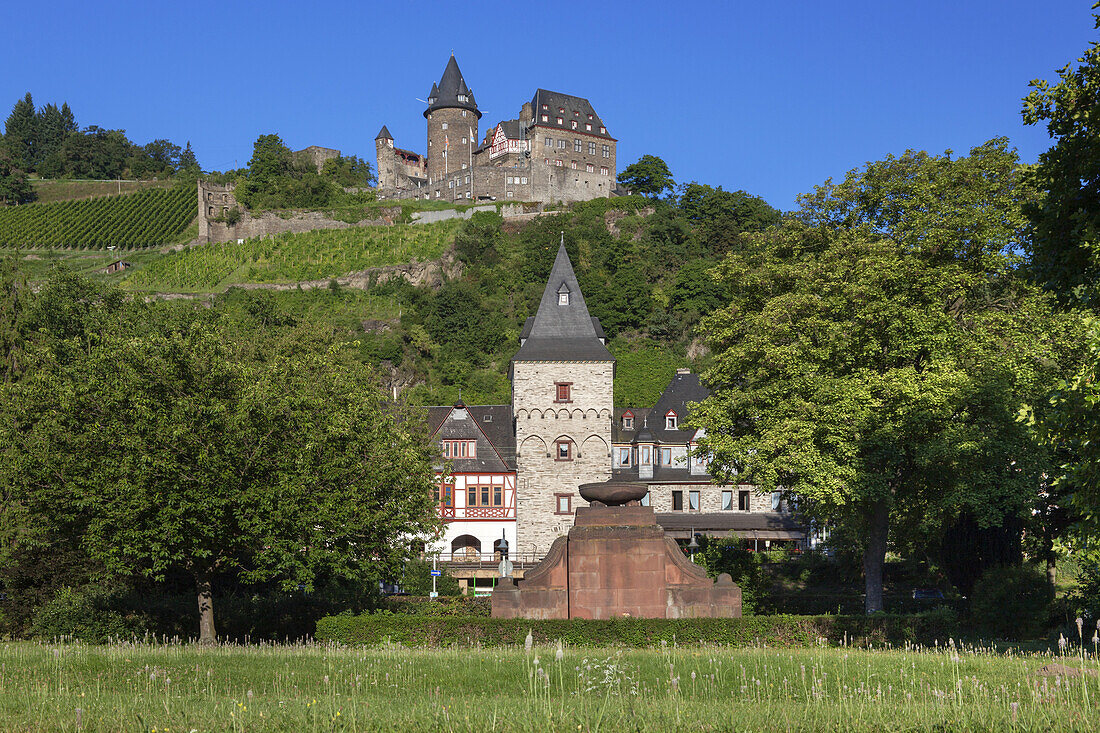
(563, 298)
(670, 420)
(462, 97)
(628, 421)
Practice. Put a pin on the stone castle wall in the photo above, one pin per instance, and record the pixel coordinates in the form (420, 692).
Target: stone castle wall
(460, 124)
(585, 421)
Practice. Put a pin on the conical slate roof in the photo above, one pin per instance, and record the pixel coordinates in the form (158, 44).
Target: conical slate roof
(562, 329)
(451, 87)
(383, 134)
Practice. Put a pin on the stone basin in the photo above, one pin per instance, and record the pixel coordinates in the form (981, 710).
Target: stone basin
(612, 493)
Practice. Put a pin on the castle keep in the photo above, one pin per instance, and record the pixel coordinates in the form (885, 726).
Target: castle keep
(558, 149)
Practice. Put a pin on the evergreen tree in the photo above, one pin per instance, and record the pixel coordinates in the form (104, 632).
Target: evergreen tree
(50, 133)
(187, 160)
(21, 133)
(14, 187)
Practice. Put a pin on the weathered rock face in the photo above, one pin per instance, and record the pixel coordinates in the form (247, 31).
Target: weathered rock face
(615, 562)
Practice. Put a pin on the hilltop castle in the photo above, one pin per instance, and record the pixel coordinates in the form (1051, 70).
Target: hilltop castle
(558, 149)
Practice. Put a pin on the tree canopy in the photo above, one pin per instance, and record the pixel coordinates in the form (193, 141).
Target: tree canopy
(648, 176)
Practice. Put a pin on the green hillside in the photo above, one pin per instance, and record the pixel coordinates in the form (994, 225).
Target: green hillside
(63, 189)
(149, 218)
(288, 258)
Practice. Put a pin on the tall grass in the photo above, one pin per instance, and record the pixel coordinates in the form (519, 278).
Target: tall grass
(305, 687)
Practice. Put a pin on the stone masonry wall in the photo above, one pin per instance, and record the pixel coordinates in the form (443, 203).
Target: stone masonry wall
(458, 153)
(710, 497)
(540, 422)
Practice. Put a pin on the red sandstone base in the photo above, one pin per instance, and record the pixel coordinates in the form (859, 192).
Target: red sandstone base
(615, 562)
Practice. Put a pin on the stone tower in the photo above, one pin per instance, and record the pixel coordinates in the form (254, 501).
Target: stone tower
(384, 155)
(452, 116)
(562, 403)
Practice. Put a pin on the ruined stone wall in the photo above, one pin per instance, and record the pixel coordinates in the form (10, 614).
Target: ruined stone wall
(585, 422)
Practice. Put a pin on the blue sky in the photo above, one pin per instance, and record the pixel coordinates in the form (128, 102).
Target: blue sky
(769, 97)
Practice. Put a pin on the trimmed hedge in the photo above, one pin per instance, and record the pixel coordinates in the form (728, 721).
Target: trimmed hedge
(442, 606)
(782, 630)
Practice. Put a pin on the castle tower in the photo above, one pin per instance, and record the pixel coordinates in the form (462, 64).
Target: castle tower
(452, 116)
(562, 403)
(384, 156)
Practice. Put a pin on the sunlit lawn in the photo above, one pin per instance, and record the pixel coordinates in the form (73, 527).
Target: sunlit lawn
(304, 688)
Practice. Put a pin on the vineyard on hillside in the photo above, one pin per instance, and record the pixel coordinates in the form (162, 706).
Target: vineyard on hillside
(287, 258)
(149, 218)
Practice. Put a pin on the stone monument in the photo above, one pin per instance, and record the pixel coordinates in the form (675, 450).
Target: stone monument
(615, 562)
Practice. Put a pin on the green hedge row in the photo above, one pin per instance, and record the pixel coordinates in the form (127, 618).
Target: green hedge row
(783, 630)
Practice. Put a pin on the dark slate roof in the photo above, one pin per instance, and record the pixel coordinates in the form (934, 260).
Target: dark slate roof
(513, 129)
(555, 101)
(451, 85)
(489, 425)
(684, 388)
(662, 475)
(769, 525)
(562, 332)
(621, 435)
(526, 332)
(383, 134)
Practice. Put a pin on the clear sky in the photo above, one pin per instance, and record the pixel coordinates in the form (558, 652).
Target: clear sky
(770, 97)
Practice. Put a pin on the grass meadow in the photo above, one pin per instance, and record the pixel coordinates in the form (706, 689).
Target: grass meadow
(182, 687)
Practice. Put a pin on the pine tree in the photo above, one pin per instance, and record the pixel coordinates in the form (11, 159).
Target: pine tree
(187, 159)
(51, 133)
(21, 133)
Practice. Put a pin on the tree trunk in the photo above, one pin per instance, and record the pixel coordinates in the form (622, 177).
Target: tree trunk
(1052, 560)
(207, 634)
(874, 555)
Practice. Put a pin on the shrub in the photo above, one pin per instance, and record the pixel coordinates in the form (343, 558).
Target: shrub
(87, 615)
(794, 631)
(1011, 602)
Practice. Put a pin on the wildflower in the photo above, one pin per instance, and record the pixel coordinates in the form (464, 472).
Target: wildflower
(528, 642)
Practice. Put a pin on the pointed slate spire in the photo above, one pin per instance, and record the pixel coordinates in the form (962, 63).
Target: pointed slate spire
(452, 92)
(383, 134)
(562, 329)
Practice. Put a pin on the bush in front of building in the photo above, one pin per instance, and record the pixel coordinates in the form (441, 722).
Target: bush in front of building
(785, 631)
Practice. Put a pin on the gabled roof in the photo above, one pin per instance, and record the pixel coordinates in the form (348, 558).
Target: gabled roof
(383, 134)
(562, 332)
(556, 101)
(619, 434)
(489, 425)
(451, 86)
(512, 129)
(684, 388)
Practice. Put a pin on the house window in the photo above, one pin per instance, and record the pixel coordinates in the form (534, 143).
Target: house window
(548, 142)
(561, 144)
(590, 116)
(603, 130)
(573, 124)
(666, 457)
(563, 504)
(591, 148)
(463, 141)
(545, 118)
(561, 110)
(463, 113)
(677, 501)
(545, 107)
(563, 450)
(459, 448)
(607, 151)
(563, 390)
(523, 180)
(727, 501)
(558, 163)
(573, 164)
(693, 501)
(560, 121)
(628, 421)
(509, 180)
(603, 170)
(624, 456)
(588, 127)
(577, 145)
(563, 298)
(467, 177)
(498, 496)
(446, 495)
(645, 499)
(670, 421)
(744, 501)
(645, 455)
(444, 125)
(589, 168)
(509, 194)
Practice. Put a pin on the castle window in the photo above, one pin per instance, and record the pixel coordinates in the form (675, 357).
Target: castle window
(509, 194)
(591, 148)
(744, 500)
(670, 420)
(561, 145)
(576, 113)
(548, 142)
(590, 168)
(558, 163)
(509, 180)
(693, 501)
(573, 124)
(645, 459)
(607, 151)
(563, 504)
(545, 106)
(677, 501)
(444, 125)
(463, 113)
(603, 130)
(463, 141)
(645, 499)
(560, 121)
(459, 448)
(590, 116)
(573, 164)
(523, 180)
(462, 97)
(588, 127)
(577, 145)
(628, 421)
(211, 212)
(467, 177)
(563, 450)
(561, 109)
(563, 390)
(624, 457)
(545, 118)
(603, 171)
(666, 457)
(727, 501)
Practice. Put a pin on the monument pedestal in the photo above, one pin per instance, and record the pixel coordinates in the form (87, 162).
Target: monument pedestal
(615, 562)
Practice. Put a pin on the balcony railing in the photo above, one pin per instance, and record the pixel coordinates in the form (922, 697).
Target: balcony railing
(470, 557)
(477, 512)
